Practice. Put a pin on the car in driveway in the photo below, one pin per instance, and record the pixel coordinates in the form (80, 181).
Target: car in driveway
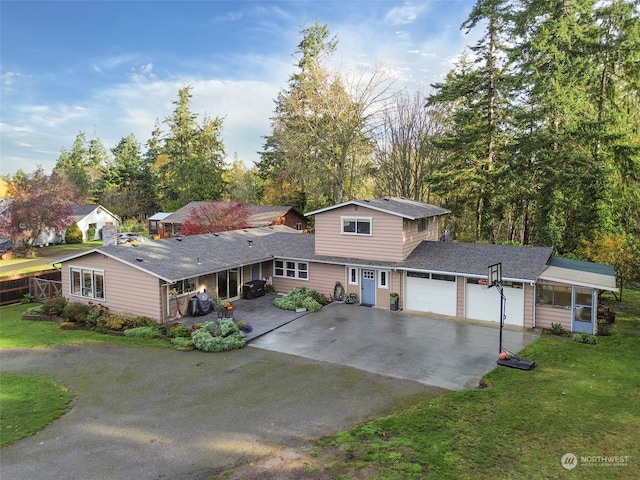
(129, 237)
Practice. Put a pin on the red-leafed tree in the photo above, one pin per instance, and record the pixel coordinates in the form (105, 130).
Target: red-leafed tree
(215, 217)
(38, 202)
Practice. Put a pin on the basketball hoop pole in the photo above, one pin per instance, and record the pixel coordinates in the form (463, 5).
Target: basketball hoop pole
(494, 279)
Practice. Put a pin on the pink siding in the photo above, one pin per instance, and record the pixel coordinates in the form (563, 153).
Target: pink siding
(460, 296)
(546, 315)
(385, 242)
(322, 278)
(411, 238)
(127, 290)
(528, 306)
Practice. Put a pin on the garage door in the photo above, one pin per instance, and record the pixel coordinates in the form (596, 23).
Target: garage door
(482, 303)
(431, 293)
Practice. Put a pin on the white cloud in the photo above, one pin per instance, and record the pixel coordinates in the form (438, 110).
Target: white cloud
(405, 14)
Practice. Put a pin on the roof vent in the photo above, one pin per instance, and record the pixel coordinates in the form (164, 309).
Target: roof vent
(179, 239)
(139, 259)
(216, 235)
(250, 242)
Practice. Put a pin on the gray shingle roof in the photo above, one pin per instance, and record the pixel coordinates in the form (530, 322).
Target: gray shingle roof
(399, 206)
(522, 263)
(259, 215)
(183, 257)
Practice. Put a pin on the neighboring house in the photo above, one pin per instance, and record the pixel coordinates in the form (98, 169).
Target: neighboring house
(370, 247)
(92, 219)
(259, 216)
(155, 223)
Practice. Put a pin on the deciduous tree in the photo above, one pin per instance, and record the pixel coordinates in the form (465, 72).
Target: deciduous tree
(215, 217)
(39, 202)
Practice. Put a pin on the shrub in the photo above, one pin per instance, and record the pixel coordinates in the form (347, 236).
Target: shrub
(182, 343)
(91, 233)
(585, 338)
(95, 311)
(300, 297)
(26, 299)
(37, 310)
(117, 321)
(209, 338)
(54, 306)
(141, 321)
(73, 234)
(557, 329)
(142, 332)
(76, 312)
(604, 328)
(178, 330)
(227, 327)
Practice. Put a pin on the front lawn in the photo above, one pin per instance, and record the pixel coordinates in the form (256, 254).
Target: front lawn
(18, 333)
(580, 399)
(28, 405)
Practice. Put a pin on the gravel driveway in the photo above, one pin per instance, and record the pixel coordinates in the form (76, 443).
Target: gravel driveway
(149, 413)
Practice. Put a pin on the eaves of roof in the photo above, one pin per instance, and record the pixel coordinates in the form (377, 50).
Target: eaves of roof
(397, 206)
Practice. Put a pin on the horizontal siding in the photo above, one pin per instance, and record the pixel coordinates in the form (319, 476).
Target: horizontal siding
(385, 243)
(460, 296)
(127, 290)
(546, 315)
(322, 278)
(529, 307)
(411, 237)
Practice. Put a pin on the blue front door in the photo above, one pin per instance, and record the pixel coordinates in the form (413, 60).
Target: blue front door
(368, 287)
(583, 317)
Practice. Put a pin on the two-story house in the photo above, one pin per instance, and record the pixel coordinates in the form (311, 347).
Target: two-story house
(368, 247)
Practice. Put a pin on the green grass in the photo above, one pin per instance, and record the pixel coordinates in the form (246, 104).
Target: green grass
(580, 399)
(44, 255)
(28, 405)
(18, 333)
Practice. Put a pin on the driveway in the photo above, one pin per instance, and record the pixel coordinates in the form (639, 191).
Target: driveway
(151, 413)
(450, 354)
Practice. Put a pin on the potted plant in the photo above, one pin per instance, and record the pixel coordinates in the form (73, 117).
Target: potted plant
(350, 298)
(393, 301)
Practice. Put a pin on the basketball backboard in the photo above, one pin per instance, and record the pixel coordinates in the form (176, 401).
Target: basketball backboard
(495, 274)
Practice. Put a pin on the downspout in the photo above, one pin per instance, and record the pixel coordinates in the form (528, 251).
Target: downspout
(535, 300)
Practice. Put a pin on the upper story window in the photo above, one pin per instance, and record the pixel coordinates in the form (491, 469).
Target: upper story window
(356, 225)
(88, 283)
(423, 224)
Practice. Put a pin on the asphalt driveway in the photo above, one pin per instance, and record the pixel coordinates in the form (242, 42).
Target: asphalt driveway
(150, 413)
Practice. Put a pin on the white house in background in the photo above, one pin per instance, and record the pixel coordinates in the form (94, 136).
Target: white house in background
(93, 217)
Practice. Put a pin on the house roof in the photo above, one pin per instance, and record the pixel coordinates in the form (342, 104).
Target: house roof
(159, 216)
(174, 259)
(399, 206)
(259, 215)
(518, 263)
(81, 211)
(177, 258)
(584, 274)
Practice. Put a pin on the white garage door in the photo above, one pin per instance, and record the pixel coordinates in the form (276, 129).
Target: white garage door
(482, 303)
(431, 293)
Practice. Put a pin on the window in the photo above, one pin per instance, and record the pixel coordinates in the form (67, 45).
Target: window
(87, 283)
(445, 278)
(298, 226)
(353, 276)
(383, 279)
(423, 224)
(182, 287)
(291, 269)
(554, 295)
(356, 226)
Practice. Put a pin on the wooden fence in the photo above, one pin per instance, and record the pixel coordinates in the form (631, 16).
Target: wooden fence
(41, 285)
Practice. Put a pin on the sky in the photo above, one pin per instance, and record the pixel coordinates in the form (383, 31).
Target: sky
(114, 68)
